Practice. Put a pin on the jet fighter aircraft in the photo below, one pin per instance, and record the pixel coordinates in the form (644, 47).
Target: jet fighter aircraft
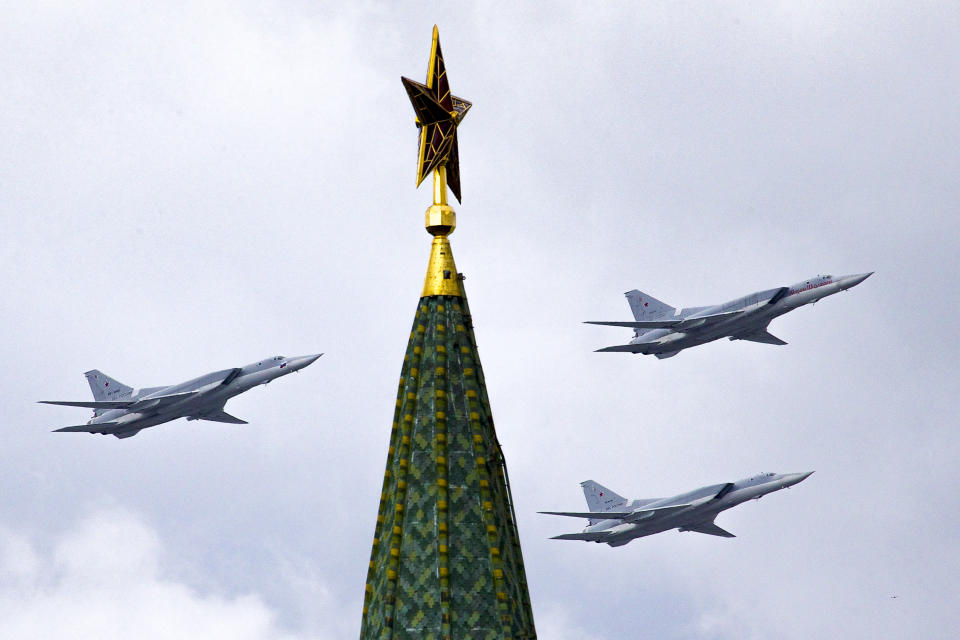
(661, 330)
(614, 520)
(120, 411)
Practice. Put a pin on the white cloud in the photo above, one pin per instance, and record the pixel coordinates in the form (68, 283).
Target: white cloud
(555, 622)
(106, 577)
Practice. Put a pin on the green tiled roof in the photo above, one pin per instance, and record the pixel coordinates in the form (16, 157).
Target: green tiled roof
(446, 561)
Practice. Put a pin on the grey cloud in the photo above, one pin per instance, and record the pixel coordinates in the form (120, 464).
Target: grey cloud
(188, 187)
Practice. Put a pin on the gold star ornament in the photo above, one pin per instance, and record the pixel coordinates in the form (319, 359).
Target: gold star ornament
(438, 114)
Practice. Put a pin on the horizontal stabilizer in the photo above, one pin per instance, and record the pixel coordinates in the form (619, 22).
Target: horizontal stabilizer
(592, 536)
(593, 515)
(103, 404)
(103, 427)
(636, 324)
(221, 416)
(708, 528)
(762, 335)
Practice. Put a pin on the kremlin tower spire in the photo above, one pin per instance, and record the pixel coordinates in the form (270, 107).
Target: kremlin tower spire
(446, 561)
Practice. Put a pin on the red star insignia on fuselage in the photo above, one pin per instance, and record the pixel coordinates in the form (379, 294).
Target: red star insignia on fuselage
(438, 114)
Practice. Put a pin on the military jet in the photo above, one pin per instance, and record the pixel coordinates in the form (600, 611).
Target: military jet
(614, 520)
(661, 330)
(120, 411)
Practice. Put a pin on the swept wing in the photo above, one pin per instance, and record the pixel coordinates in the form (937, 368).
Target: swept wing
(708, 528)
(100, 404)
(627, 516)
(220, 416)
(133, 405)
(592, 536)
(89, 428)
(593, 515)
(644, 347)
(699, 321)
(636, 324)
(674, 323)
(103, 427)
(760, 335)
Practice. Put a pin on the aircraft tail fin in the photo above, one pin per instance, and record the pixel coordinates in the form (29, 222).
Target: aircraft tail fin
(601, 499)
(646, 307)
(106, 388)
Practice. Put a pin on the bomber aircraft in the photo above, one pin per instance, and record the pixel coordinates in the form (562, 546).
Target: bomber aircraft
(120, 411)
(663, 331)
(614, 520)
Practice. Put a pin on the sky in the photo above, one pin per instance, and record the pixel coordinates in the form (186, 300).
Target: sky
(192, 186)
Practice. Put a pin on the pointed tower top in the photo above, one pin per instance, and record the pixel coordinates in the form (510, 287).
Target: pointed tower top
(445, 562)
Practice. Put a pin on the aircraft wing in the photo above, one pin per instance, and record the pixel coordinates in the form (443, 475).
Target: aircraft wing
(656, 512)
(143, 403)
(103, 427)
(593, 515)
(593, 536)
(103, 404)
(699, 321)
(637, 324)
(160, 401)
(643, 347)
(89, 428)
(629, 516)
(727, 488)
(708, 528)
(221, 416)
(760, 335)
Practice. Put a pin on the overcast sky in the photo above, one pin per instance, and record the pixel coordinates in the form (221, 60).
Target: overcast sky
(190, 186)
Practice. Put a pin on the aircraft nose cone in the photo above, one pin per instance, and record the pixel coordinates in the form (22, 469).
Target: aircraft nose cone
(791, 479)
(303, 361)
(852, 281)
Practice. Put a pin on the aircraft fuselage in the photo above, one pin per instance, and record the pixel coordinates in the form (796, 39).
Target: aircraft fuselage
(201, 398)
(616, 521)
(738, 319)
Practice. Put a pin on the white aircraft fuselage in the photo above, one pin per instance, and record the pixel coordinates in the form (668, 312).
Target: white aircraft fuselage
(616, 521)
(664, 331)
(121, 411)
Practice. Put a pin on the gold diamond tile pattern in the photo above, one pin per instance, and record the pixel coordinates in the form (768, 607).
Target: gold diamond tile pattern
(446, 561)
